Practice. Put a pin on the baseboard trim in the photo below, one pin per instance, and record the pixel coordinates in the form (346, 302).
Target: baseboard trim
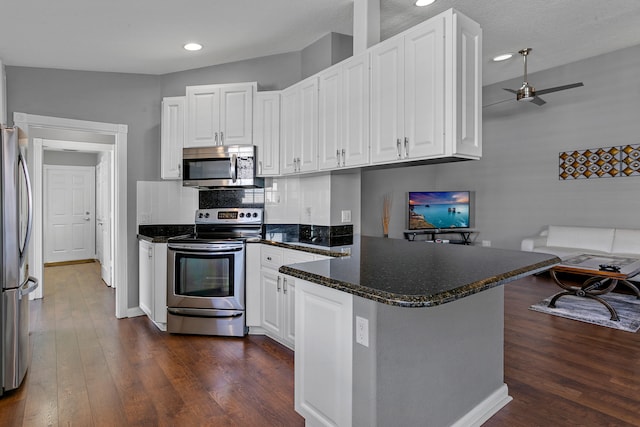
(485, 409)
(62, 263)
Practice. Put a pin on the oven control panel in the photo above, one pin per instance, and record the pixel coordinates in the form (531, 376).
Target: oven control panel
(229, 216)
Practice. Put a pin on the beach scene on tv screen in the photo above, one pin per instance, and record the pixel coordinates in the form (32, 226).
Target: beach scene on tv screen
(438, 209)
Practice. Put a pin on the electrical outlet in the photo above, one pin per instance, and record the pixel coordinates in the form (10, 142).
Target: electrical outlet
(362, 331)
(346, 216)
(486, 243)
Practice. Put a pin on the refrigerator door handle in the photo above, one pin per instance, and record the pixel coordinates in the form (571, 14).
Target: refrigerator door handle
(30, 285)
(27, 181)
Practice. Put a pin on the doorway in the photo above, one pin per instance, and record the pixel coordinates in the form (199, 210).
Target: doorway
(69, 213)
(90, 136)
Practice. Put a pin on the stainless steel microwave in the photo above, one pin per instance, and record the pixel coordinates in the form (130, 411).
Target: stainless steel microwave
(220, 166)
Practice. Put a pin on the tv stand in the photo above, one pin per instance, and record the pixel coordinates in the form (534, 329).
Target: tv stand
(465, 234)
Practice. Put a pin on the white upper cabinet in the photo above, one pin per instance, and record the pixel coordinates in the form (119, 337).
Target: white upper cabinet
(426, 92)
(220, 114)
(355, 111)
(387, 100)
(299, 120)
(266, 132)
(172, 137)
(330, 118)
(343, 112)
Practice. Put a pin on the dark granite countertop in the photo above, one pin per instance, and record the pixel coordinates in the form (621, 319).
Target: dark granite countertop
(418, 274)
(160, 233)
(332, 251)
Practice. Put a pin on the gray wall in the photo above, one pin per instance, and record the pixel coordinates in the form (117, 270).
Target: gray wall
(324, 52)
(66, 158)
(271, 72)
(516, 184)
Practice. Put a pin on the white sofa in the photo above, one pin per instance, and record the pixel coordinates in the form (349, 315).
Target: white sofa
(567, 241)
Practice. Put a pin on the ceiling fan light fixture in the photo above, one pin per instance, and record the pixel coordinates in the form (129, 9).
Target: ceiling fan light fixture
(422, 3)
(526, 93)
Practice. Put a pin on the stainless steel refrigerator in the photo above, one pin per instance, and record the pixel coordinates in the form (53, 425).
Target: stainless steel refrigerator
(16, 211)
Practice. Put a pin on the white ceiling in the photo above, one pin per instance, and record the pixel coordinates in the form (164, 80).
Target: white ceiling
(146, 36)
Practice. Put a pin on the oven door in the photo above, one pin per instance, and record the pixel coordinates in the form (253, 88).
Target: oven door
(206, 275)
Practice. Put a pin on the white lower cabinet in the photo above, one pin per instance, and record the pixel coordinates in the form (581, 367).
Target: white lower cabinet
(277, 309)
(152, 259)
(323, 357)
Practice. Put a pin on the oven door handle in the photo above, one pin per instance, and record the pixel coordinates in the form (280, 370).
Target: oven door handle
(204, 312)
(199, 248)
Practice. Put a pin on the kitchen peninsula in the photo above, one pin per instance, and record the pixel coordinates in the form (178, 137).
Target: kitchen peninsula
(404, 333)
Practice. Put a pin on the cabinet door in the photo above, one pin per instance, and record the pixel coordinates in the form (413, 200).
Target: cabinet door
(308, 125)
(330, 98)
(323, 356)
(203, 116)
(159, 283)
(145, 276)
(236, 114)
(387, 100)
(466, 135)
(289, 136)
(424, 68)
(271, 289)
(252, 285)
(172, 137)
(355, 111)
(266, 132)
(289, 311)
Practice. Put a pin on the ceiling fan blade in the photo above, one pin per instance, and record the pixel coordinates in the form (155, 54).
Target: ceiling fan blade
(558, 88)
(510, 90)
(538, 101)
(498, 102)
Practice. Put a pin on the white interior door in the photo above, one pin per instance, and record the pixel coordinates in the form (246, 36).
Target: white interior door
(103, 216)
(69, 213)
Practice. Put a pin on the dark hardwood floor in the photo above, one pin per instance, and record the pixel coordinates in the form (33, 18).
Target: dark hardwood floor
(89, 368)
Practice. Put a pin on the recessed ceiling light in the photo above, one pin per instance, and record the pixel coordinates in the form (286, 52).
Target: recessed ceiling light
(193, 46)
(421, 3)
(502, 57)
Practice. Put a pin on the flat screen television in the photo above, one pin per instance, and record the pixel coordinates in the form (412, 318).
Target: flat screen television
(439, 209)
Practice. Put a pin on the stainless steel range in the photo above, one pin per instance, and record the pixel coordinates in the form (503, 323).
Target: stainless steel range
(206, 273)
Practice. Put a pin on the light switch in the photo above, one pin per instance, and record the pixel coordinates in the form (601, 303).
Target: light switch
(346, 216)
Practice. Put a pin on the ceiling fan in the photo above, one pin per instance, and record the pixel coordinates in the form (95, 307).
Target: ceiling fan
(527, 92)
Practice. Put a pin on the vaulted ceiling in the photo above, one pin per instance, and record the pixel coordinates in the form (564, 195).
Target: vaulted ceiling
(146, 36)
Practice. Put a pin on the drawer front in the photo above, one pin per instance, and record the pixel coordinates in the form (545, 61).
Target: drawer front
(271, 257)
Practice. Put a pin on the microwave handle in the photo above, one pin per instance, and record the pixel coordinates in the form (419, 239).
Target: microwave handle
(233, 167)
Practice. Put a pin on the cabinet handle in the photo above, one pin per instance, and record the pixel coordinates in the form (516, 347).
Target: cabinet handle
(268, 258)
(278, 283)
(406, 146)
(284, 285)
(221, 138)
(343, 156)
(398, 146)
(338, 157)
(179, 171)
(215, 138)
(260, 166)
